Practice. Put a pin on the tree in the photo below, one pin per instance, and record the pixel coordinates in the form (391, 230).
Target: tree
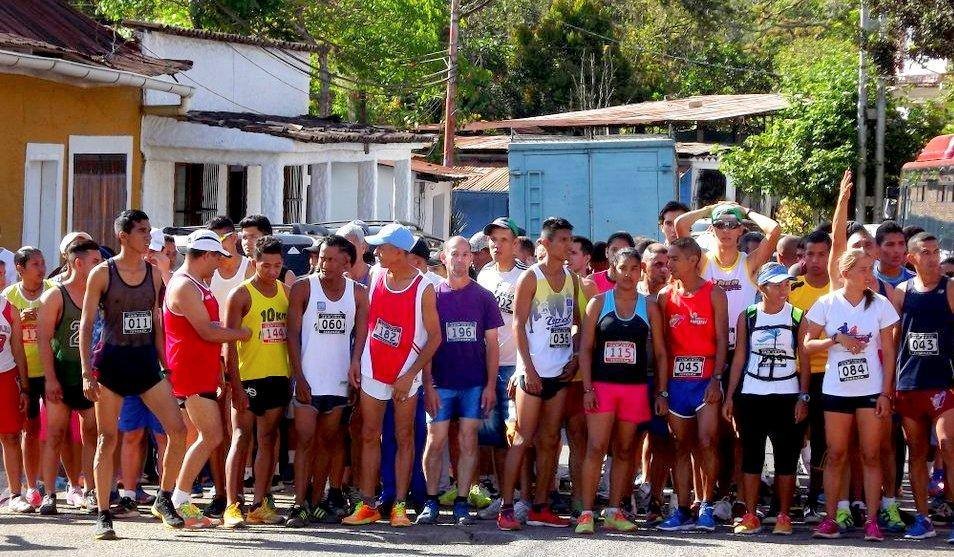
(928, 24)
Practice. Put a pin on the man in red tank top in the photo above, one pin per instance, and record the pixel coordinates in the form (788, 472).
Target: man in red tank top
(194, 339)
(690, 343)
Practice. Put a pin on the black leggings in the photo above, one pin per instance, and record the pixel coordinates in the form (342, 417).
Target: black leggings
(816, 420)
(761, 417)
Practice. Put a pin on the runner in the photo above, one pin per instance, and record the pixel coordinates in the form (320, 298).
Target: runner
(194, 336)
(526, 250)
(14, 400)
(925, 398)
(786, 252)
(667, 220)
(462, 380)
(404, 333)
(254, 227)
(690, 346)
(480, 248)
(581, 250)
(258, 371)
(773, 373)
(806, 290)
(544, 315)
(359, 271)
(324, 311)
(126, 363)
(617, 241)
(614, 361)
(25, 297)
(858, 387)
(59, 350)
(892, 252)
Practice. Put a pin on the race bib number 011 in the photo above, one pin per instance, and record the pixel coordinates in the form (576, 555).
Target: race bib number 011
(460, 331)
(387, 333)
(273, 332)
(688, 366)
(29, 333)
(922, 344)
(137, 322)
(560, 337)
(854, 369)
(330, 324)
(619, 352)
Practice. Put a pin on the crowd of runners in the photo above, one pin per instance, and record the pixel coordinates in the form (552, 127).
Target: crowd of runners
(390, 383)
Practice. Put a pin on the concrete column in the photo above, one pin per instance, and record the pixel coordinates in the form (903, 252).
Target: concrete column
(729, 188)
(402, 187)
(158, 191)
(222, 201)
(273, 191)
(367, 189)
(319, 192)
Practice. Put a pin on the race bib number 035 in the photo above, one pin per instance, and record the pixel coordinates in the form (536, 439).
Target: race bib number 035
(387, 333)
(560, 337)
(922, 344)
(460, 331)
(330, 324)
(137, 322)
(854, 369)
(688, 366)
(273, 332)
(619, 352)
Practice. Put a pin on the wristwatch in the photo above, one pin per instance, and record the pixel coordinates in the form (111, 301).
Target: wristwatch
(804, 397)
(717, 376)
(662, 394)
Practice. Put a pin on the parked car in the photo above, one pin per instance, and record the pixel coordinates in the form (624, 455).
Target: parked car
(372, 226)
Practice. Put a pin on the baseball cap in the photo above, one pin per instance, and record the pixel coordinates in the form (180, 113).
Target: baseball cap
(727, 210)
(422, 250)
(70, 238)
(773, 272)
(205, 240)
(393, 234)
(502, 222)
(157, 240)
(353, 228)
(478, 242)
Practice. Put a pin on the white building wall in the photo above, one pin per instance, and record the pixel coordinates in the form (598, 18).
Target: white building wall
(232, 77)
(158, 188)
(343, 201)
(435, 208)
(384, 196)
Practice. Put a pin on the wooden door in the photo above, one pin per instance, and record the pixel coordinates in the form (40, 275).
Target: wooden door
(99, 194)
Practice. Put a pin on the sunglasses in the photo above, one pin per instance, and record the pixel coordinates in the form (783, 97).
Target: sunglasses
(726, 225)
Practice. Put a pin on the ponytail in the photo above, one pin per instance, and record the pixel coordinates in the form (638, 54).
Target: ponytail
(869, 297)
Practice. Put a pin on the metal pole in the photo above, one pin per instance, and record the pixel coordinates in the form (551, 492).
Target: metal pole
(879, 152)
(450, 111)
(324, 97)
(861, 187)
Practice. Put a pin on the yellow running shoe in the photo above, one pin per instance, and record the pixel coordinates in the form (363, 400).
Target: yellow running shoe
(478, 497)
(584, 524)
(447, 498)
(233, 517)
(617, 521)
(363, 514)
(399, 517)
(193, 516)
(750, 524)
(263, 514)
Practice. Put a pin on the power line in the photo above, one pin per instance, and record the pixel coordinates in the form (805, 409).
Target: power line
(237, 51)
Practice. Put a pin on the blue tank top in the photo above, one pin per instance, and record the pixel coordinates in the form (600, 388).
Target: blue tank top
(620, 352)
(927, 340)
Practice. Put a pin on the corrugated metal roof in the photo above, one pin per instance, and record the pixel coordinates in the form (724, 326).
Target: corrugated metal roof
(438, 172)
(307, 129)
(219, 36)
(695, 149)
(705, 108)
(493, 178)
(501, 143)
(54, 29)
(482, 142)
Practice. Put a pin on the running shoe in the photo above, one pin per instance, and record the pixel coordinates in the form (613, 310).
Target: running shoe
(872, 532)
(144, 498)
(34, 497)
(706, 520)
(546, 517)
(521, 509)
(722, 510)
(399, 517)
(941, 509)
(749, 524)
(193, 516)
(197, 489)
(492, 511)
(618, 522)
(920, 529)
(584, 524)
(890, 519)
(654, 514)
(678, 520)
(429, 513)
(89, 501)
(364, 513)
(233, 517)
(738, 509)
(479, 497)
(48, 505)
(951, 538)
(783, 525)
(18, 504)
(264, 514)
(507, 520)
(810, 514)
(859, 512)
(844, 520)
(104, 527)
(164, 510)
(827, 529)
(299, 516)
(446, 499)
(629, 513)
(462, 514)
(5, 496)
(74, 497)
(319, 514)
(215, 509)
(126, 508)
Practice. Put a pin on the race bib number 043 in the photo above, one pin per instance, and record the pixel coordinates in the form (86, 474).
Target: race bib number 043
(560, 337)
(387, 333)
(460, 331)
(688, 366)
(137, 322)
(923, 344)
(854, 369)
(619, 352)
(330, 324)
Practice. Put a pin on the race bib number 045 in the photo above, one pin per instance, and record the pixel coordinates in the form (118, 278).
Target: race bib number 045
(923, 344)
(330, 324)
(560, 337)
(854, 369)
(688, 366)
(137, 322)
(460, 331)
(619, 352)
(387, 333)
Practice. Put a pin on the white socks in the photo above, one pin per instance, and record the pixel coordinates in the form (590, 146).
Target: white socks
(180, 497)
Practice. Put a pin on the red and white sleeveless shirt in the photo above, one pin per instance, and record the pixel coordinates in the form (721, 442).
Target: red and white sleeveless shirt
(193, 362)
(690, 332)
(396, 331)
(7, 363)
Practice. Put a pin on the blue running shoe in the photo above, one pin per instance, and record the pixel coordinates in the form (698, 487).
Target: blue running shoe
(678, 520)
(462, 514)
(921, 529)
(429, 513)
(706, 519)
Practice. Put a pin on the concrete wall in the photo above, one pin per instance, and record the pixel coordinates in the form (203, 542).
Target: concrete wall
(343, 201)
(232, 77)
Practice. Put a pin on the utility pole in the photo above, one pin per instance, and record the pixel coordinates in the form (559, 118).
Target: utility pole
(324, 76)
(861, 186)
(450, 109)
(881, 103)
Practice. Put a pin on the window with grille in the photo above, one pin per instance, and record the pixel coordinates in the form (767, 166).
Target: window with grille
(293, 198)
(196, 194)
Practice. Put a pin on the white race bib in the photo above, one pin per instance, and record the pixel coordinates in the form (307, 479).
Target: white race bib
(273, 332)
(460, 331)
(29, 333)
(619, 352)
(387, 333)
(504, 296)
(560, 337)
(137, 322)
(330, 324)
(854, 369)
(922, 344)
(688, 366)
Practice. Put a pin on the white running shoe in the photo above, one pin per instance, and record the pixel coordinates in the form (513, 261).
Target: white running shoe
(34, 498)
(722, 510)
(18, 504)
(74, 497)
(491, 512)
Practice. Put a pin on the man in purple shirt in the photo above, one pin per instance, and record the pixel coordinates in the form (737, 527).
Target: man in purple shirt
(461, 382)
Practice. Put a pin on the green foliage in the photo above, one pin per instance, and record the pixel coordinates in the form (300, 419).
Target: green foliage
(928, 23)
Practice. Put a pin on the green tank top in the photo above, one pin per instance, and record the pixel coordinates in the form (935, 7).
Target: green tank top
(65, 343)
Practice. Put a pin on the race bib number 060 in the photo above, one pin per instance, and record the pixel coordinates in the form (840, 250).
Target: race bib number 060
(387, 333)
(560, 337)
(330, 324)
(688, 366)
(137, 322)
(619, 352)
(461, 331)
(854, 369)
(922, 344)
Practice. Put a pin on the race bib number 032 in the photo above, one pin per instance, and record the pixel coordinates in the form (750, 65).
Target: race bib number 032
(460, 331)
(330, 324)
(619, 352)
(137, 322)
(560, 337)
(387, 333)
(854, 369)
(923, 344)
(688, 366)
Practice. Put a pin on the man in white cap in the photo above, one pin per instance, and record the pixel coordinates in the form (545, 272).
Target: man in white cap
(360, 270)
(480, 247)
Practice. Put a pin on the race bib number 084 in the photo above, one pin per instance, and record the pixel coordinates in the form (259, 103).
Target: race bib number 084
(560, 337)
(387, 333)
(854, 369)
(688, 366)
(923, 344)
(137, 322)
(619, 352)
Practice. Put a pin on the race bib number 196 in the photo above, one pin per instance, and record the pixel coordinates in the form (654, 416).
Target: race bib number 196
(852, 370)
(460, 331)
(387, 333)
(922, 344)
(619, 352)
(560, 337)
(137, 322)
(688, 366)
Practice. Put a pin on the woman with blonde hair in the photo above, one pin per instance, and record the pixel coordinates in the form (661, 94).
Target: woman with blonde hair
(857, 388)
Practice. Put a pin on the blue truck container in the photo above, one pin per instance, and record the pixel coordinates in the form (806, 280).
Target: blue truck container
(599, 185)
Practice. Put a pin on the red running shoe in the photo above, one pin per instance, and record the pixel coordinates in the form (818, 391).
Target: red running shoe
(546, 518)
(507, 521)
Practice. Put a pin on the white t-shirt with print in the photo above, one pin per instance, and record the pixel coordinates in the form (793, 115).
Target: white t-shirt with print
(503, 286)
(848, 374)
